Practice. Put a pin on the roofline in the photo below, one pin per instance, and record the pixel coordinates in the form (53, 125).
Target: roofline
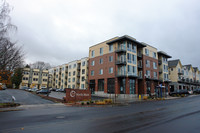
(103, 42)
(149, 45)
(128, 38)
(165, 54)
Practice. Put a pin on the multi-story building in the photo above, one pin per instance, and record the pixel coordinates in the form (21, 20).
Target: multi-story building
(122, 65)
(71, 75)
(34, 78)
(163, 70)
(183, 76)
(150, 70)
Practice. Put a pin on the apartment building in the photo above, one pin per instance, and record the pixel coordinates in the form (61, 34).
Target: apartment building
(34, 78)
(183, 76)
(163, 70)
(122, 65)
(150, 71)
(70, 75)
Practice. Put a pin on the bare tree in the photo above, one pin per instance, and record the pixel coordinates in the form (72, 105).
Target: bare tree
(11, 55)
(40, 65)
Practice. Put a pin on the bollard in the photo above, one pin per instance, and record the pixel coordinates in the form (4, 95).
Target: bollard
(139, 97)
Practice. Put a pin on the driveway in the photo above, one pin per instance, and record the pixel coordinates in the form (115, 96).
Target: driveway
(22, 97)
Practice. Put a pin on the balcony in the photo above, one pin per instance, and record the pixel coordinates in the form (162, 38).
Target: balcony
(139, 55)
(121, 74)
(121, 50)
(120, 62)
(180, 73)
(133, 75)
(159, 62)
(140, 65)
(78, 74)
(78, 68)
(160, 71)
(78, 82)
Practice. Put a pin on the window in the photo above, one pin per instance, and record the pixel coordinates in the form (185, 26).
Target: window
(155, 75)
(92, 63)
(74, 73)
(110, 69)
(73, 86)
(132, 70)
(147, 72)
(69, 73)
(83, 78)
(129, 57)
(74, 66)
(83, 71)
(35, 73)
(133, 59)
(146, 52)
(56, 81)
(62, 75)
(69, 80)
(147, 63)
(101, 71)
(82, 86)
(69, 86)
(133, 48)
(70, 66)
(171, 69)
(154, 65)
(44, 80)
(129, 46)
(154, 55)
(63, 68)
(92, 54)
(110, 58)
(83, 63)
(101, 61)
(101, 51)
(73, 79)
(111, 48)
(92, 73)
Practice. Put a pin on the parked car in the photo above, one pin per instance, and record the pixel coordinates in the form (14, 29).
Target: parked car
(179, 92)
(24, 88)
(43, 91)
(60, 90)
(2, 86)
(53, 89)
(190, 92)
(34, 89)
(196, 91)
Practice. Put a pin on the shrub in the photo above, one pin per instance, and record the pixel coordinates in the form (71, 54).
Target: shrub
(82, 103)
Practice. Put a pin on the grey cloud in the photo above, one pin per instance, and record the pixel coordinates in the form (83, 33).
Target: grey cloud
(64, 31)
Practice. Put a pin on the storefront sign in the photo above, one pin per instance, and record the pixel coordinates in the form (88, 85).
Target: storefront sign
(77, 95)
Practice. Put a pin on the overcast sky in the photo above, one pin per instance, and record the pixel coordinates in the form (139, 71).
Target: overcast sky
(60, 31)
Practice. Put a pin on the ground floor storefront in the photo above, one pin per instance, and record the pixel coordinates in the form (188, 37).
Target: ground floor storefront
(131, 86)
(174, 86)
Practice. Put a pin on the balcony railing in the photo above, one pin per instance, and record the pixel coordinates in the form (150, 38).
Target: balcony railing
(160, 71)
(121, 62)
(121, 74)
(180, 73)
(139, 55)
(139, 65)
(120, 50)
(159, 62)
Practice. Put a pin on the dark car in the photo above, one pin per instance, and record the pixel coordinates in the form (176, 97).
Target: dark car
(60, 90)
(196, 91)
(43, 91)
(179, 92)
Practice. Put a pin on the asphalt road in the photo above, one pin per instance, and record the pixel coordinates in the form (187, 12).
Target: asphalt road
(174, 116)
(22, 97)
